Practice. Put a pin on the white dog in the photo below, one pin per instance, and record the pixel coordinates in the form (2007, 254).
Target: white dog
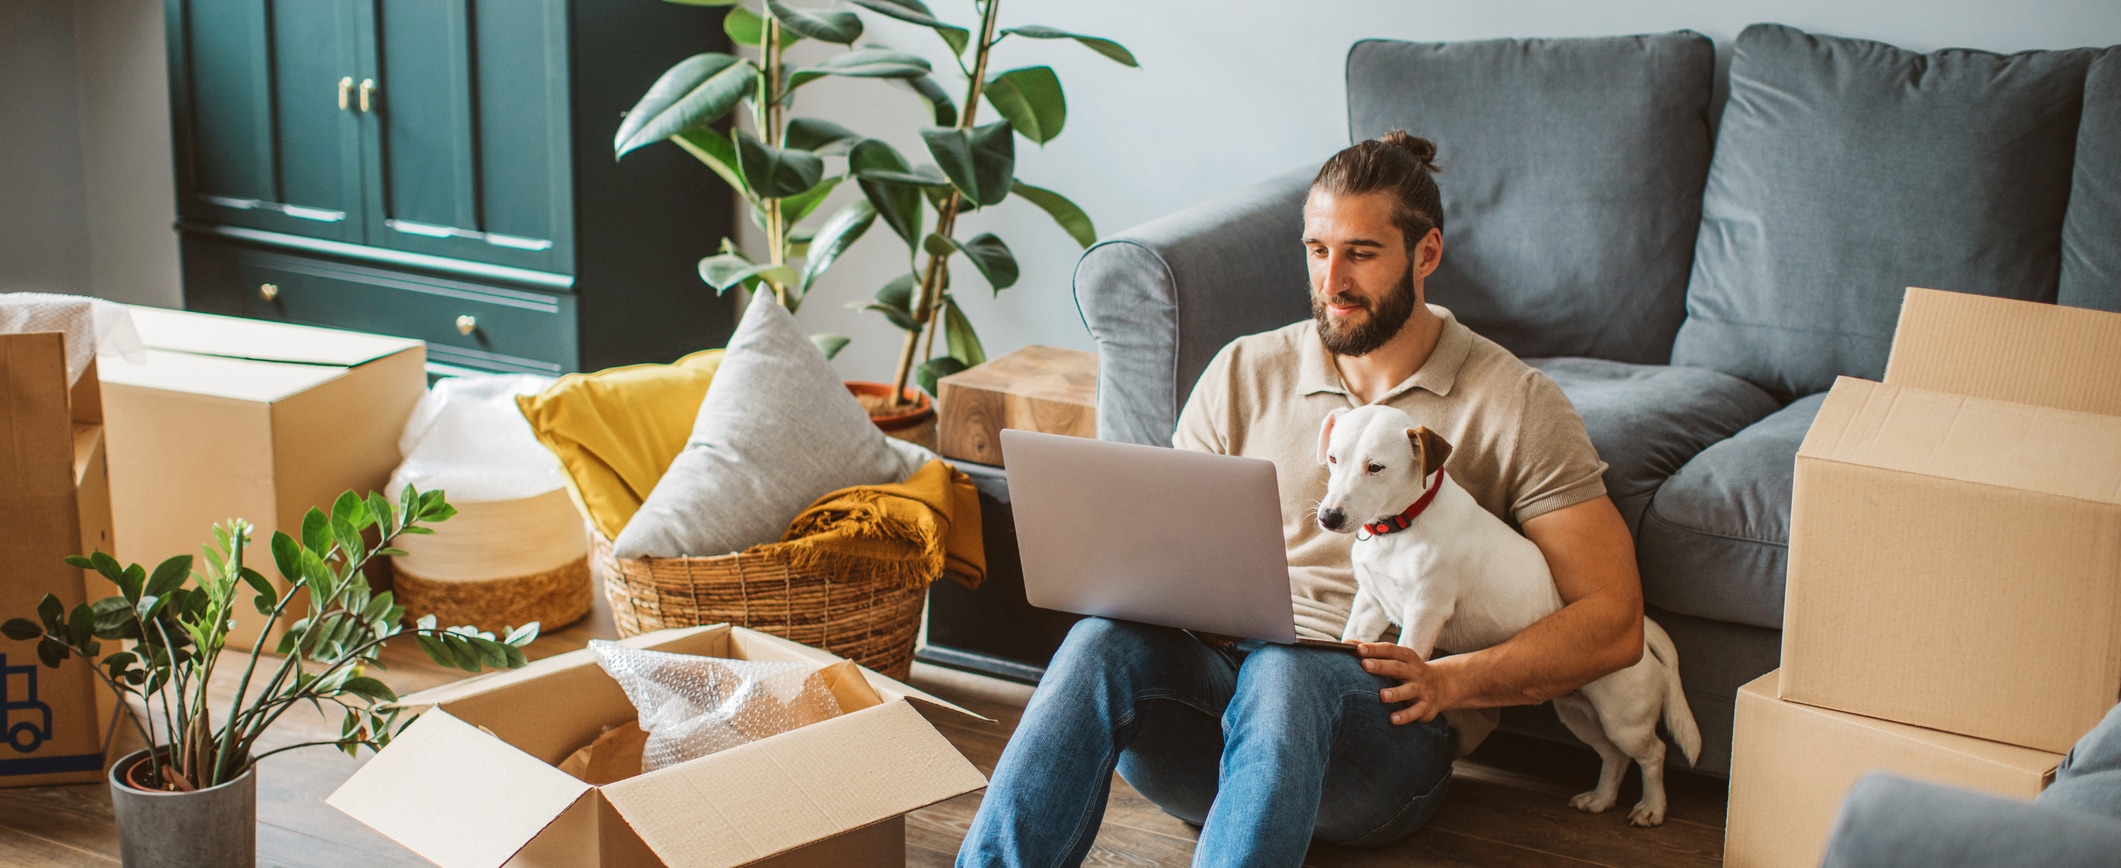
(1449, 573)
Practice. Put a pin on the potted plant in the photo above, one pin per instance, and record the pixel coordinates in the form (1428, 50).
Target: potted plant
(189, 798)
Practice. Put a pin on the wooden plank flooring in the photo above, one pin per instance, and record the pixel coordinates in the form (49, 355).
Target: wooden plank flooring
(1506, 806)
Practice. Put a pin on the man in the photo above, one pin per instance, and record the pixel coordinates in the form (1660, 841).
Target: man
(1266, 746)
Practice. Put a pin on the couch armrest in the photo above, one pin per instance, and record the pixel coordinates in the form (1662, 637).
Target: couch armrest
(1161, 298)
(1892, 821)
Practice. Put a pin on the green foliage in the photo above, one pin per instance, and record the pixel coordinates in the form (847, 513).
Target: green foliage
(167, 629)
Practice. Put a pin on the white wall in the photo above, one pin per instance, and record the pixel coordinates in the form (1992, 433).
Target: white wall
(1232, 92)
(1229, 92)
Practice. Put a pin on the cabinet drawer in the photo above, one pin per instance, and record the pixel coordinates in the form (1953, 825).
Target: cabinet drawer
(467, 325)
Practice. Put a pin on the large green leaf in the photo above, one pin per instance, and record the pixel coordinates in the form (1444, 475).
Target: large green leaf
(938, 99)
(744, 27)
(957, 330)
(1030, 98)
(840, 232)
(709, 146)
(895, 301)
(978, 162)
(830, 344)
(862, 63)
(839, 28)
(773, 172)
(819, 137)
(1071, 218)
(929, 373)
(987, 252)
(724, 271)
(795, 208)
(899, 204)
(1098, 44)
(916, 12)
(698, 91)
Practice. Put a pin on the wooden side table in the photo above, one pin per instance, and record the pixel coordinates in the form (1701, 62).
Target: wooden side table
(1036, 388)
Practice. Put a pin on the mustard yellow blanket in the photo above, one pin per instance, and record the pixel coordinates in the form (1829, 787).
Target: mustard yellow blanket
(903, 535)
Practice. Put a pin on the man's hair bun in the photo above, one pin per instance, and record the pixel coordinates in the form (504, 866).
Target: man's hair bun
(1422, 150)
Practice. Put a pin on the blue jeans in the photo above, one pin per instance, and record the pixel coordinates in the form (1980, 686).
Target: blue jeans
(1263, 746)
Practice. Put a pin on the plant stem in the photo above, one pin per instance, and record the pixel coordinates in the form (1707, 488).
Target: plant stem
(770, 131)
(926, 300)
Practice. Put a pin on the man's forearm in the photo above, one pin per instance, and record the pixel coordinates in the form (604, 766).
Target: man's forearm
(1550, 658)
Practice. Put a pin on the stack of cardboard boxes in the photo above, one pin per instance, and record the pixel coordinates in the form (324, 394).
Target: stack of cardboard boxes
(1954, 598)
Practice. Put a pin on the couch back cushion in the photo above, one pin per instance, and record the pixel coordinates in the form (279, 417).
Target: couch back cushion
(1571, 172)
(1847, 171)
(2091, 246)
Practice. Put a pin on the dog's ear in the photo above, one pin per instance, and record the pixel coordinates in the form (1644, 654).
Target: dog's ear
(1432, 448)
(1325, 432)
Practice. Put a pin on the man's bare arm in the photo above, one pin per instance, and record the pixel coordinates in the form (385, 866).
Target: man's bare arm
(1597, 631)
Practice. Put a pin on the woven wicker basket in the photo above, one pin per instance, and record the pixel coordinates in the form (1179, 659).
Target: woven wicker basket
(554, 598)
(862, 621)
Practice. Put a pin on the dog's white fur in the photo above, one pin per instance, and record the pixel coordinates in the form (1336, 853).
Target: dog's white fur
(1460, 578)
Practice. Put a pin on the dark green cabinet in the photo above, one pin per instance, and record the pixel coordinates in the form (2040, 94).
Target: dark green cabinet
(442, 169)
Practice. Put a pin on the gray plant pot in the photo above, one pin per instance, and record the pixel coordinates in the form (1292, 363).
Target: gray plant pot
(216, 826)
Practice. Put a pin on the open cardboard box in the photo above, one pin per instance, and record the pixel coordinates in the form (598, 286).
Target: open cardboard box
(54, 502)
(475, 783)
(237, 418)
(1955, 541)
(1792, 765)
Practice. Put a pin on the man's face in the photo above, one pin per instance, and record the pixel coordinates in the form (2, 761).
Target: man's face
(1364, 285)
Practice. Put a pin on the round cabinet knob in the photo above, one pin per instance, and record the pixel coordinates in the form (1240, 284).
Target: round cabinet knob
(467, 324)
(268, 291)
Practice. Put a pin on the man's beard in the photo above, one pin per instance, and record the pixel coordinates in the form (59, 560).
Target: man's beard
(1386, 316)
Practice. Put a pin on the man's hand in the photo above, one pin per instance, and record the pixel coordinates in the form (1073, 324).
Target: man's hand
(1425, 686)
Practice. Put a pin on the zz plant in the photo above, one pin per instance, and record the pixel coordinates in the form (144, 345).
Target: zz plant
(158, 643)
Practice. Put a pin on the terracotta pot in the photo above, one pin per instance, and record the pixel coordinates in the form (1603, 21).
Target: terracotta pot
(216, 826)
(907, 416)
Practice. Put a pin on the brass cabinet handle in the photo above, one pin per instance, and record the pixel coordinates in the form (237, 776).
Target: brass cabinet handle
(368, 93)
(345, 92)
(467, 324)
(268, 291)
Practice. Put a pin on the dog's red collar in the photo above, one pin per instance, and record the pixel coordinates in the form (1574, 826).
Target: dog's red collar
(1400, 522)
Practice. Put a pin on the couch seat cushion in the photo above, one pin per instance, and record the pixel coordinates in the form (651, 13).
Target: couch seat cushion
(1715, 541)
(1647, 420)
(1847, 171)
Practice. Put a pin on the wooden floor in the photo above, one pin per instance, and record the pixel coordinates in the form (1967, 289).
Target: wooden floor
(1506, 804)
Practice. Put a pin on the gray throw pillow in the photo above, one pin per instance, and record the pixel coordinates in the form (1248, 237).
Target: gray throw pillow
(1847, 171)
(776, 431)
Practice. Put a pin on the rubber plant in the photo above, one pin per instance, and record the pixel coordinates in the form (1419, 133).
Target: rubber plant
(974, 167)
(778, 164)
(158, 644)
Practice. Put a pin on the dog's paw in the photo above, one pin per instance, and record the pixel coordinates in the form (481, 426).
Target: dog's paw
(1591, 802)
(1646, 815)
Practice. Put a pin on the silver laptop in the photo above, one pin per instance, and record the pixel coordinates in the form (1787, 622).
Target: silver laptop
(1162, 536)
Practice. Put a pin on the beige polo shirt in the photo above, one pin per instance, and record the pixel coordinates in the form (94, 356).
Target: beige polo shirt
(1517, 444)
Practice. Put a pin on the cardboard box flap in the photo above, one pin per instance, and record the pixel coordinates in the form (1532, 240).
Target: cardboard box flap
(455, 795)
(2008, 350)
(1995, 753)
(233, 337)
(680, 640)
(216, 376)
(829, 777)
(2021, 446)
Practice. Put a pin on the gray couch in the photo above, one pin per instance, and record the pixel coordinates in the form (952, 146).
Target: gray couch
(1693, 295)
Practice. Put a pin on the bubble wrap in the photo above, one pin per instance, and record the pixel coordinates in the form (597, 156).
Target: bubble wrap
(694, 706)
(91, 325)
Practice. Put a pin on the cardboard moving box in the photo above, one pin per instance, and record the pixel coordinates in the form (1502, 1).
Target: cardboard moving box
(54, 502)
(1792, 764)
(475, 781)
(235, 418)
(1955, 541)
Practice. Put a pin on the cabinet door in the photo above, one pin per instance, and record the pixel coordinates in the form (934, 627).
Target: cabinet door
(468, 146)
(268, 130)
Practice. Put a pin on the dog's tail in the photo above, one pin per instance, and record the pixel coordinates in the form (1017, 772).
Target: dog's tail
(1678, 718)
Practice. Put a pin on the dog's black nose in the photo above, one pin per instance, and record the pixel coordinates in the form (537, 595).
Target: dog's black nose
(1331, 519)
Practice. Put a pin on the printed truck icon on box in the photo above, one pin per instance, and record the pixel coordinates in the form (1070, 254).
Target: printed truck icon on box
(25, 721)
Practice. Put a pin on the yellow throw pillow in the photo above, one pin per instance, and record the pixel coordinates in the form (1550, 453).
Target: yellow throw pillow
(618, 429)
